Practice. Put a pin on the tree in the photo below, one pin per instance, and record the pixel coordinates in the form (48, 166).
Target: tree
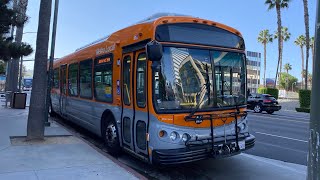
(10, 18)
(264, 38)
(312, 47)
(306, 22)
(285, 37)
(278, 5)
(35, 127)
(2, 67)
(287, 80)
(301, 42)
(287, 67)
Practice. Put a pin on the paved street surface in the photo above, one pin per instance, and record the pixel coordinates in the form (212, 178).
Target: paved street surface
(281, 136)
(243, 166)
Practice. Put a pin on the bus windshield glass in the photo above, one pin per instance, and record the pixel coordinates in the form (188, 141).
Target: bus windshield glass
(188, 78)
(192, 33)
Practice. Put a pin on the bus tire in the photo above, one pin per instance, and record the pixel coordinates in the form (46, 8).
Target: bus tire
(111, 136)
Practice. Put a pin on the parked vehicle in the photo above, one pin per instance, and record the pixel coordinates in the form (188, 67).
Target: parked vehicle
(27, 84)
(263, 102)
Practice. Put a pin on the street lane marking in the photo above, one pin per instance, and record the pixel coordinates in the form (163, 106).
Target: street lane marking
(305, 122)
(282, 137)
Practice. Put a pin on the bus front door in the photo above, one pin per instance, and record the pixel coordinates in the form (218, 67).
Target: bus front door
(63, 89)
(135, 110)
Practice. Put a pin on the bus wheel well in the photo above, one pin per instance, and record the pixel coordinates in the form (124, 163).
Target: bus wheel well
(107, 114)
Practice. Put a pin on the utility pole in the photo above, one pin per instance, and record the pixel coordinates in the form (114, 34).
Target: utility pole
(314, 134)
(50, 73)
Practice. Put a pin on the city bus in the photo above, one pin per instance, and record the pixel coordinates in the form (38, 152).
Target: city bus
(169, 89)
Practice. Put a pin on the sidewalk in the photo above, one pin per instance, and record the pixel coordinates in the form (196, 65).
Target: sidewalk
(60, 156)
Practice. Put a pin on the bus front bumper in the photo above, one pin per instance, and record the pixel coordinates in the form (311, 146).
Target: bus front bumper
(196, 153)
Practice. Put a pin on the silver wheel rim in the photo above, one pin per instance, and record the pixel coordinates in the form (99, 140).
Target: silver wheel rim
(111, 134)
(257, 108)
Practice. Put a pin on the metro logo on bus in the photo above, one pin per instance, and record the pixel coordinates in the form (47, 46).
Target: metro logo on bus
(107, 49)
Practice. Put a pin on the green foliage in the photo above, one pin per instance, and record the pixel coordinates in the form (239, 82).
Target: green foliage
(306, 110)
(2, 67)
(9, 18)
(285, 34)
(271, 91)
(287, 80)
(265, 37)
(304, 98)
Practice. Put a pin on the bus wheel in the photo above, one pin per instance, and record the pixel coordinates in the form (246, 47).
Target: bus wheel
(111, 137)
(257, 108)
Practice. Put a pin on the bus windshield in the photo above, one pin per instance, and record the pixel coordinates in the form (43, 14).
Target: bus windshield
(189, 77)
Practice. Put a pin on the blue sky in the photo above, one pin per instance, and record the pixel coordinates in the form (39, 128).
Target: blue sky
(81, 22)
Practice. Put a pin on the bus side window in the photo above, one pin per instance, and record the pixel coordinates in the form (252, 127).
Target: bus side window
(85, 79)
(73, 79)
(103, 79)
(56, 78)
(126, 80)
(141, 80)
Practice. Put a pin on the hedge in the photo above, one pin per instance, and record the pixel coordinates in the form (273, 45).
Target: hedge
(304, 98)
(306, 110)
(271, 91)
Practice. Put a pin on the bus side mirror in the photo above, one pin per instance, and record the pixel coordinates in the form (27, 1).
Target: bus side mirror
(154, 51)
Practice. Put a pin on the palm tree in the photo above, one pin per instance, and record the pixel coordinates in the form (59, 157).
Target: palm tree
(36, 117)
(306, 22)
(301, 42)
(285, 37)
(264, 38)
(278, 4)
(312, 47)
(287, 67)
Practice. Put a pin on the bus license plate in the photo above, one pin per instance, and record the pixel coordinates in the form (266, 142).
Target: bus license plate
(242, 145)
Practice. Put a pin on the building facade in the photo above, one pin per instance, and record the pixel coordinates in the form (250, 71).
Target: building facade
(253, 70)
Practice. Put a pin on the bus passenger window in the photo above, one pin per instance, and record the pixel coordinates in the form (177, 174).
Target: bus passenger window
(141, 78)
(56, 78)
(85, 79)
(103, 79)
(126, 80)
(73, 79)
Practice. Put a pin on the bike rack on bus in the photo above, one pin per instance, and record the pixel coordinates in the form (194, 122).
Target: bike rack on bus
(212, 117)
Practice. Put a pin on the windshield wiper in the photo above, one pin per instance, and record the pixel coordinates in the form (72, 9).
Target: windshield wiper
(207, 88)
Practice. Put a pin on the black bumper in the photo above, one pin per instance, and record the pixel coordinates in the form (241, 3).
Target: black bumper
(191, 154)
(271, 108)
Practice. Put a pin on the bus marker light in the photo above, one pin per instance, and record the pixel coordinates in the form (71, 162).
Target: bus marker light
(162, 133)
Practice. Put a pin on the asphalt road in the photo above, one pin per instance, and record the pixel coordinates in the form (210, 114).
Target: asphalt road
(281, 136)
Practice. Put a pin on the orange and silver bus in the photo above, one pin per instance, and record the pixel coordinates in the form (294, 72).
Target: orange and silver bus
(170, 89)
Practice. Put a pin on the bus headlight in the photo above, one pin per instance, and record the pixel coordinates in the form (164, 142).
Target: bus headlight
(174, 135)
(241, 127)
(185, 137)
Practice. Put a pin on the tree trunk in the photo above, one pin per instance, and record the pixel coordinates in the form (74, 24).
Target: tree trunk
(8, 84)
(306, 21)
(22, 8)
(302, 63)
(265, 64)
(35, 128)
(279, 39)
